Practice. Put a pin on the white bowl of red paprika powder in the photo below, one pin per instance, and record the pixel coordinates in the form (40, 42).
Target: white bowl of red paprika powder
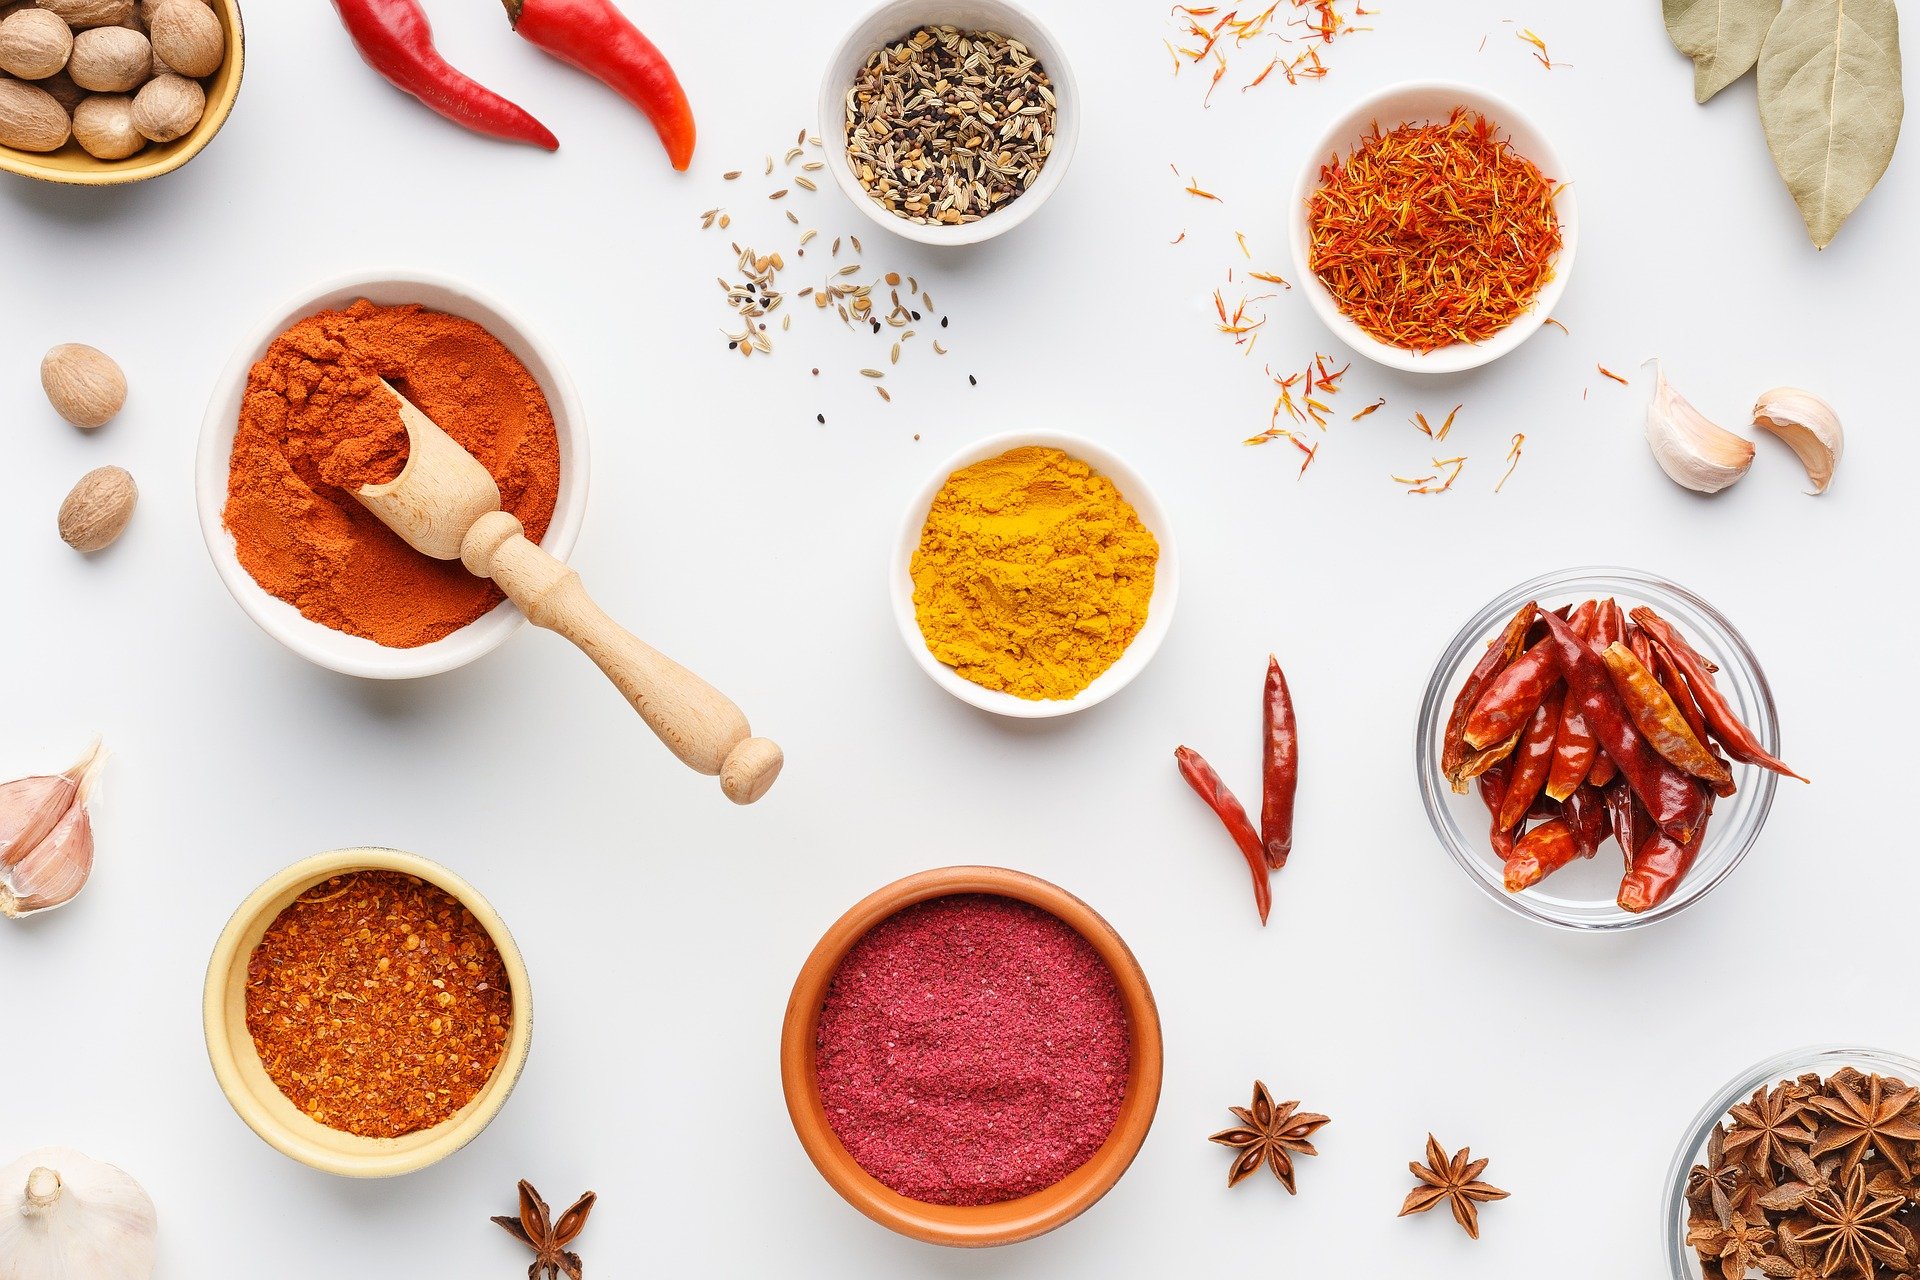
(304, 560)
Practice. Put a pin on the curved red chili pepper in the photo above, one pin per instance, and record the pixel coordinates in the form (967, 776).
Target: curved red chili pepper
(1659, 866)
(1233, 815)
(1733, 735)
(1674, 803)
(1573, 746)
(1281, 776)
(1531, 761)
(1455, 755)
(598, 39)
(1493, 791)
(395, 39)
(1512, 697)
(1655, 716)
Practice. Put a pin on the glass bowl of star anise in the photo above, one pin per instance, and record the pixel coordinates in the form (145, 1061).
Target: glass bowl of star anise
(1806, 1167)
(1592, 886)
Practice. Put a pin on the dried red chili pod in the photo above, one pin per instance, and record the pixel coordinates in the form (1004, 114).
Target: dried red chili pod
(1280, 777)
(1531, 761)
(1656, 716)
(1659, 865)
(1455, 754)
(1738, 740)
(1671, 799)
(1233, 815)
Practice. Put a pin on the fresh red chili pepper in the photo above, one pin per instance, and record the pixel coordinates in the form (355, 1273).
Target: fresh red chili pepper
(1739, 741)
(1281, 776)
(1573, 746)
(395, 39)
(1672, 800)
(1655, 716)
(597, 38)
(1493, 790)
(1659, 866)
(1233, 815)
(1553, 844)
(1455, 754)
(1531, 761)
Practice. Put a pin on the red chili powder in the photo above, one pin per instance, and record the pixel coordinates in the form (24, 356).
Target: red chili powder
(972, 1049)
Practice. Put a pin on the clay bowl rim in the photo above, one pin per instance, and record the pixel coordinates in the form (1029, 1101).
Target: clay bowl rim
(1009, 1221)
(155, 160)
(282, 1127)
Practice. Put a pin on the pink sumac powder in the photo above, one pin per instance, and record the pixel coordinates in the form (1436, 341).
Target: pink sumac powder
(972, 1049)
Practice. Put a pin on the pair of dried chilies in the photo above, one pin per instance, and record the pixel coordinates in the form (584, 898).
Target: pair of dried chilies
(1598, 722)
(1265, 850)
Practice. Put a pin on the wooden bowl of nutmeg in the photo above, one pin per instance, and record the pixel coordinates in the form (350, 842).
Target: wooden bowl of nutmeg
(100, 92)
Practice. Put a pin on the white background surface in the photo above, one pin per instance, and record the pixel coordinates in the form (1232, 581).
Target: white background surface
(663, 927)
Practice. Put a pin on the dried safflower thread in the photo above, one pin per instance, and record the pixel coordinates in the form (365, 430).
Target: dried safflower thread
(972, 1049)
(1434, 234)
(378, 1004)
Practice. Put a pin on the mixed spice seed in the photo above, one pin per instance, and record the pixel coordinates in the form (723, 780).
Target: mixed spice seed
(1816, 1178)
(946, 126)
(891, 305)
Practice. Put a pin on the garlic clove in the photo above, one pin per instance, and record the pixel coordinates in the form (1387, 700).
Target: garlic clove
(44, 864)
(1809, 426)
(1693, 452)
(55, 872)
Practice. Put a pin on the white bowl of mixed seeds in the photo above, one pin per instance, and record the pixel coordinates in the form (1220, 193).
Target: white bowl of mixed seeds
(949, 121)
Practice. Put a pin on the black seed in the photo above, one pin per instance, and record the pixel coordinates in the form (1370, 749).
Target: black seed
(972, 381)
(821, 418)
(914, 314)
(943, 322)
(733, 346)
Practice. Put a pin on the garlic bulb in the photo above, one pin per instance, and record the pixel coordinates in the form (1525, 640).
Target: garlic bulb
(46, 838)
(1691, 450)
(1809, 426)
(66, 1217)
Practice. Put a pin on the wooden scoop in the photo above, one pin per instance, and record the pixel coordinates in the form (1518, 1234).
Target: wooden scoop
(445, 504)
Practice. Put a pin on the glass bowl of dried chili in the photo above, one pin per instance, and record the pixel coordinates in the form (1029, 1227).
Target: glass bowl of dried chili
(428, 918)
(274, 613)
(1586, 894)
(896, 19)
(1787, 1107)
(1457, 318)
(967, 1222)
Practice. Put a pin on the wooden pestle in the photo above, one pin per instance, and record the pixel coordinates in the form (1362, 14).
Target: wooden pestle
(446, 505)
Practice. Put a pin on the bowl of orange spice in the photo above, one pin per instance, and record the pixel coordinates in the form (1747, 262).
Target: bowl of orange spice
(280, 455)
(367, 1013)
(1434, 227)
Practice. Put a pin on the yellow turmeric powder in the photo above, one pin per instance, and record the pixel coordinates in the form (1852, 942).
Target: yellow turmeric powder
(1032, 575)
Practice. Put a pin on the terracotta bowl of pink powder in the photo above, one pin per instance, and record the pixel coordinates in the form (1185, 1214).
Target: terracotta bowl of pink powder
(971, 1056)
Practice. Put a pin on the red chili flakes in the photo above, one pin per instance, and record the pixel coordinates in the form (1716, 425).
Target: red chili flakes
(378, 1004)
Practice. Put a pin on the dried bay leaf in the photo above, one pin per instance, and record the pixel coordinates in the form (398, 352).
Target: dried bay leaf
(1723, 38)
(1831, 101)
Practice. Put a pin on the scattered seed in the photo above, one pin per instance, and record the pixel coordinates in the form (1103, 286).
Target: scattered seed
(731, 174)
(769, 172)
(792, 155)
(884, 395)
(781, 194)
(943, 322)
(938, 349)
(812, 166)
(894, 358)
(804, 184)
(800, 139)
(872, 373)
(725, 221)
(972, 381)
(805, 237)
(855, 242)
(820, 418)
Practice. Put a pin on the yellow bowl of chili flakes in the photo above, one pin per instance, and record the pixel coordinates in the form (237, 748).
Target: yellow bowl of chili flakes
(367, 1012)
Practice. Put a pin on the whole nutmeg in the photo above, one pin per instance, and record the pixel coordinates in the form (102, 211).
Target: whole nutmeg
(148, 6)
(83, 383)
(34, 44)
(103, 126)
(110, 60)
(30, 118)
(79, 14)
(167, 107)
(97, 510)
(188, 37)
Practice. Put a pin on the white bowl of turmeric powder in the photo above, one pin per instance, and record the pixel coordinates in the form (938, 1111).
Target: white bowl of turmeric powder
(320, 574)
(1035, 575)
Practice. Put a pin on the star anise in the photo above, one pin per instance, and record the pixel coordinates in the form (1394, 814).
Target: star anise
(1809, 1180)
(1852, 1224)
(1765, 1128)
(1721, 1183)
(1270, 1135)
(548, 1239)
(1795, 1261)
(1740, 1247)
(1880, 1119)
(1454, 1180)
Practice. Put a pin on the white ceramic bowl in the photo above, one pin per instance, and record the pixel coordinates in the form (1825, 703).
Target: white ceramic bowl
(899, 17)
(1421, 102)
(336, 650)
(1166, 578)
